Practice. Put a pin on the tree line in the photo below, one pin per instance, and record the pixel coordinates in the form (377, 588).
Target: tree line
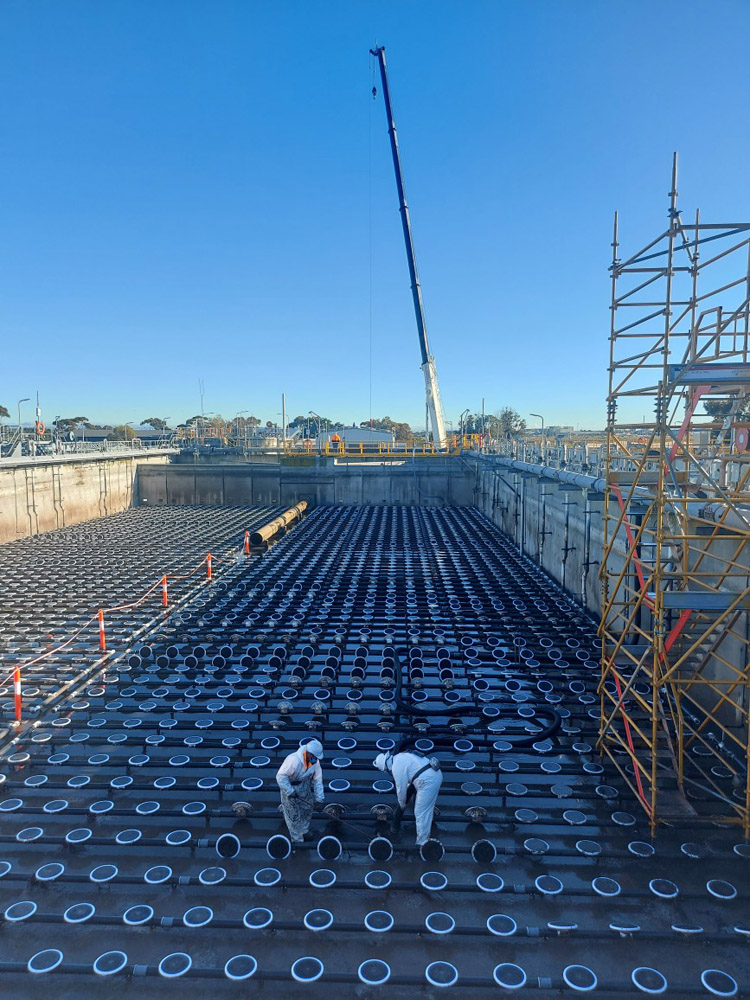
(504, 422)
(117, 432)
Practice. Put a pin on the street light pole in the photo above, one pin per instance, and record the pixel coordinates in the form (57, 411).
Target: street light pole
(461, 420)
(201, 388)
(237, 426)
(20, 428)
(544, 436)
(318, 418)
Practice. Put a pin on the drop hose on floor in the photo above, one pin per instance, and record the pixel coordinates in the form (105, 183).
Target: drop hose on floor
(548, 718)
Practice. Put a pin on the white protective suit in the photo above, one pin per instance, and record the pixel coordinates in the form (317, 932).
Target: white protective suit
(301, 785)
(403, 767)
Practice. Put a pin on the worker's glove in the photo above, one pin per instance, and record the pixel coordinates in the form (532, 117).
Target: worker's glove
(319, 803)
(292, 794)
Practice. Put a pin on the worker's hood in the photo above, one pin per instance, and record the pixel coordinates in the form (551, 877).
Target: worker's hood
(381, 761)
(314, 747)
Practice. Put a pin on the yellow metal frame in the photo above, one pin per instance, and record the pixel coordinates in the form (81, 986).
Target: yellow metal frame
(423, 449)
(675, 683)
(456, 444)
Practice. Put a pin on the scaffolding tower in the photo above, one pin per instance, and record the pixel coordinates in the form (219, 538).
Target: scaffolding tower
(675, 629)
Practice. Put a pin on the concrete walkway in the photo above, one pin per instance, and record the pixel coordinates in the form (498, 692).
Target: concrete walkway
(12, 461)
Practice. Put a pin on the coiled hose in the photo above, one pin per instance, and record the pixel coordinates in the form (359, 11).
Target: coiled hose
(541, 713)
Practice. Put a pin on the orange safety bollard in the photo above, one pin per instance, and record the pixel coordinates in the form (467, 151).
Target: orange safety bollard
(208, 566)
(247, 543)
(102, 636)
(17, 692)
(164, 599)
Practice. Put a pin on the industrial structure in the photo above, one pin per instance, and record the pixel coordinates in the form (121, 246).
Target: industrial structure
(567, 646)
(675, 659)
(433, 404)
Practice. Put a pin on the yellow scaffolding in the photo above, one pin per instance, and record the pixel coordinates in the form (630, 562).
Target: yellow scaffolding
(675, 573)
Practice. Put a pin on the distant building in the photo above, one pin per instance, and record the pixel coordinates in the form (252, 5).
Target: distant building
(357, 435)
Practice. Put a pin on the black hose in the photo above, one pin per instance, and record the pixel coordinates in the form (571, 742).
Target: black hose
(552, 715)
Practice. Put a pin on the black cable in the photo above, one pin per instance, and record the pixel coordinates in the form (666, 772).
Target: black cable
(522, 742)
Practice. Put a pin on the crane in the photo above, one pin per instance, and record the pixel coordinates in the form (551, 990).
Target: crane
(432, 390)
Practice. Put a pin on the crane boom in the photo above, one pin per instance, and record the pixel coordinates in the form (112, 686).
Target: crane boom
(432, 390)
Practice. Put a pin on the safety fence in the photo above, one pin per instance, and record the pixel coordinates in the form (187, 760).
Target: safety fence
(161, 584)
(160, 587)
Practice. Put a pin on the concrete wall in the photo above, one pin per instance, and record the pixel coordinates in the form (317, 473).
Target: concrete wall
(428, 483)
(557, 526)
(39, 495)
(560, 528)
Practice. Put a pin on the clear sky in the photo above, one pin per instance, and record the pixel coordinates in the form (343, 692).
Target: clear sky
(202, 189)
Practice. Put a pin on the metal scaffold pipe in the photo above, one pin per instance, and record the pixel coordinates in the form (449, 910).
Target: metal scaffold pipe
(267, 531)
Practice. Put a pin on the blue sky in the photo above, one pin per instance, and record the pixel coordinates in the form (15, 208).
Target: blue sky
(203, 190)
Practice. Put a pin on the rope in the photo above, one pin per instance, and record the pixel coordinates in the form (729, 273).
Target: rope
(186, 576)
(49, 652)
(134, 604)
(106, 611)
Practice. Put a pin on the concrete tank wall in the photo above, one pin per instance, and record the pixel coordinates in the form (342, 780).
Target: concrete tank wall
(39, 495)
(559, 526)
(556, 525)
(429, 483)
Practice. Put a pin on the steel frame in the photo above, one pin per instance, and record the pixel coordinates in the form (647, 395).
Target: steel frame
(675, 685)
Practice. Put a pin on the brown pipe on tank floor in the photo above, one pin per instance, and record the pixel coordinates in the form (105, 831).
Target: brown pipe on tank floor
(278, 524)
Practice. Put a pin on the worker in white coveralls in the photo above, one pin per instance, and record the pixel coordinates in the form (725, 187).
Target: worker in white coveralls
(300, 779)
(412, 771)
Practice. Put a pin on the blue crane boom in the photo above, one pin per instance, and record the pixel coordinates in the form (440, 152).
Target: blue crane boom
(432, 391)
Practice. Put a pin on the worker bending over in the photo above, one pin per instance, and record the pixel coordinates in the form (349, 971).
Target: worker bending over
(413, 773)
(300, 779)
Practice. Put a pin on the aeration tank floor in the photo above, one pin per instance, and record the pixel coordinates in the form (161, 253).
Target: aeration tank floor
(54, 584)
(541, 877)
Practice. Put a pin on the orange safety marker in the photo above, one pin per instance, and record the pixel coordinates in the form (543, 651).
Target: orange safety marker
(247, 543)
(164, 599)
(102, 636)
(208, 566)
(17, 692)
